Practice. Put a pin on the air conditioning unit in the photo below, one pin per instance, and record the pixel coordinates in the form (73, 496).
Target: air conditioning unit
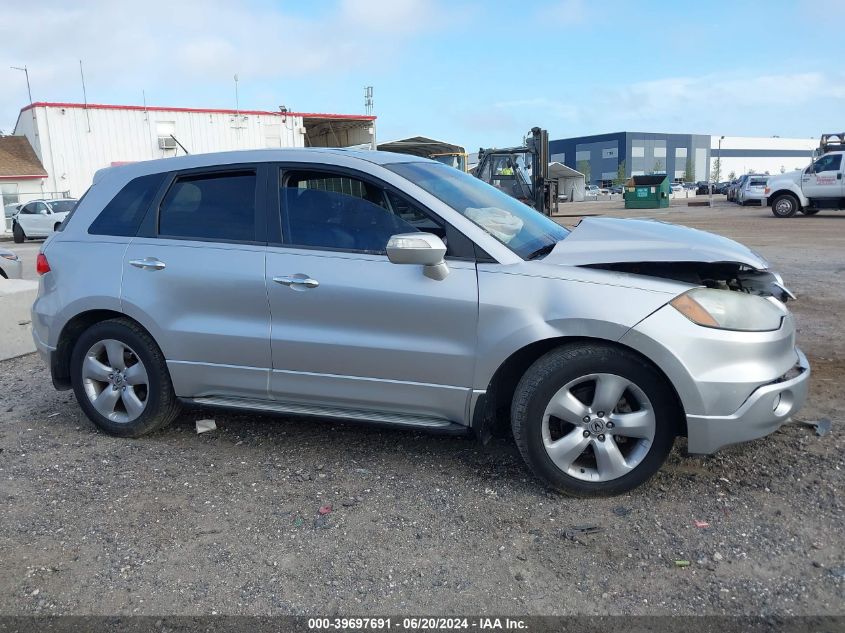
(166, 142)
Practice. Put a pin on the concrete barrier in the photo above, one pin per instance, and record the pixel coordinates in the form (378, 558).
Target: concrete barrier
(16, 298)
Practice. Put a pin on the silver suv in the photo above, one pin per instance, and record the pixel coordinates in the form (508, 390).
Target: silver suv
(395, 290)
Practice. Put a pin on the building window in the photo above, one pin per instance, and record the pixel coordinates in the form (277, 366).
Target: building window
(559, 158)
(610, 152)
(659, 152)
(638, 151)
(681, 152)
(582, 155)
(165, 130)
(9, 193)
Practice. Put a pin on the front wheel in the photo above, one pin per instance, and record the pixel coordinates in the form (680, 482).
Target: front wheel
(18, 234)
(593, 419)
(120, 379)
(785, 206)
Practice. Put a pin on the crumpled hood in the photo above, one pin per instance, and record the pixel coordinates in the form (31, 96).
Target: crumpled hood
(617, 240)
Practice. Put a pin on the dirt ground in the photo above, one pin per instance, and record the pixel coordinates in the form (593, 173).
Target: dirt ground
(228, 522)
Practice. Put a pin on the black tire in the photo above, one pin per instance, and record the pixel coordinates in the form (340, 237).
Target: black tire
(160, 405)
(570, 362)
(18, 234)
(810, 211)
(785, 206)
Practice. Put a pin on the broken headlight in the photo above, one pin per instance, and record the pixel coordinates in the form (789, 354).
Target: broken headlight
(727, 310)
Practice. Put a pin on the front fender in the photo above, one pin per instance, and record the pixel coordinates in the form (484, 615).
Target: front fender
(518, 310)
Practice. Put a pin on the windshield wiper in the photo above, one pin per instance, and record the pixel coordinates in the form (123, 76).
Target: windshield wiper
(543, 250)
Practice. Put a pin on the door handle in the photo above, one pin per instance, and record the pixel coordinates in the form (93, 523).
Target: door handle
(297, 281)
(148, 263)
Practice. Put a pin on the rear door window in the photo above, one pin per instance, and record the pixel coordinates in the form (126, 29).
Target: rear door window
(212, 206)
(122, 216)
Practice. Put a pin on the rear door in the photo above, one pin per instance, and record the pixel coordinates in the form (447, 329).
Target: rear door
(195, 277)
(352, 330)
(823, 179)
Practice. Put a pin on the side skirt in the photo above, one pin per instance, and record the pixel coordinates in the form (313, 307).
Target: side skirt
(380, 418)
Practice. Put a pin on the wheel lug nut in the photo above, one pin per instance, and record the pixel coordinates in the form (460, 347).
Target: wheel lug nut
(586, 419)
(609, 425)
(600, 414)
(586, 434)
(601, 438)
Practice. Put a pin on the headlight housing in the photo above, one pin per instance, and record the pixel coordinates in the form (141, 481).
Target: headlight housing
(729, 310)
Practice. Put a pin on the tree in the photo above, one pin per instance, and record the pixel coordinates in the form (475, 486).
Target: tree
(716, 172)
(658, 167)
(620, 174)
(584, 167)
(732, 175)
(689, 172)
(782, 169)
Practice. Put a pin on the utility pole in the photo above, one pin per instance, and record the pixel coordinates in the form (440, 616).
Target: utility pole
(26, 72)
(85, 96)
(29, 92)
(719, 163)
(368, 108)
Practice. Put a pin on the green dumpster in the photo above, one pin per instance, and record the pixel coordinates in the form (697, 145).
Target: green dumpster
(647, 192)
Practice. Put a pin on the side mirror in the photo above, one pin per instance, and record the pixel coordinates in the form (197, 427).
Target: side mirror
(421, 249)
(44, 212)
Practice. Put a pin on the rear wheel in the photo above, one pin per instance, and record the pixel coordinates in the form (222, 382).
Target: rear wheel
(593, 419)
(18, 234)
(785, 206)
(121, 381)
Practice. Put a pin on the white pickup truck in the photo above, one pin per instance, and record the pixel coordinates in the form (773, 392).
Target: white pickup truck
(820, 186)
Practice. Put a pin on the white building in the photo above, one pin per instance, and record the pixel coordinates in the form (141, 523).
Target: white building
(760, 155)
(73, 140)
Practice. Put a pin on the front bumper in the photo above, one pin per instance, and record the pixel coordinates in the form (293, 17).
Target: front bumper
(766, 409)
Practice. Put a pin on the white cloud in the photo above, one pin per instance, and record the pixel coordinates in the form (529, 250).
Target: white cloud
(183, 47)
(735, 104)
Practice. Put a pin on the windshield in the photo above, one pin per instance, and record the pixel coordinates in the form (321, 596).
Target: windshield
(516, 225)
(62, 206)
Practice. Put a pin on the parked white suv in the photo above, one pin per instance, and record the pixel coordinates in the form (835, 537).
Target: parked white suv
(820, 186)
(40, 218)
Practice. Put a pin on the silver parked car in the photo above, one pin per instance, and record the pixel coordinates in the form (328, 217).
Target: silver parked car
(752, 190)
(395, 290)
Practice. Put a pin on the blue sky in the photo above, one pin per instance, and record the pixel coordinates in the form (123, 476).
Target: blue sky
(466, 72)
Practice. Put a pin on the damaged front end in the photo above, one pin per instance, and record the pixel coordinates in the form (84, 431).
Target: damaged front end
(668, 251)
(721, 276)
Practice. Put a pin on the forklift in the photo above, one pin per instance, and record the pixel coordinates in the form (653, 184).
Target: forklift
(522, 172)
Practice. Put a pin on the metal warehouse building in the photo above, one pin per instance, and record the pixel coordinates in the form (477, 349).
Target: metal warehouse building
(72, 140)
(603, 158)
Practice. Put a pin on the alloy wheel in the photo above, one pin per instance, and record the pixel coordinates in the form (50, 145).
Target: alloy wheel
(598, 427)
(115, 380)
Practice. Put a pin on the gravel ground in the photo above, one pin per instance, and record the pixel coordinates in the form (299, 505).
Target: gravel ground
(229, 521)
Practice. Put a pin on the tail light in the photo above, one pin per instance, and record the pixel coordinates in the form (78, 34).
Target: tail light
(41, 264)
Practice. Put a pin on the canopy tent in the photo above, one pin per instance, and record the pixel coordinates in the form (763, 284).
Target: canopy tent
(449, 153)
(570, 183)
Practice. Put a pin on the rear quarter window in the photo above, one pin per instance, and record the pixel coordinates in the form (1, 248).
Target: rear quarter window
(123, 215)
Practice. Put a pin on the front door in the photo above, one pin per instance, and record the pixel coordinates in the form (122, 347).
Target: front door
(823, 179)
(196, 280)
(352, 330)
